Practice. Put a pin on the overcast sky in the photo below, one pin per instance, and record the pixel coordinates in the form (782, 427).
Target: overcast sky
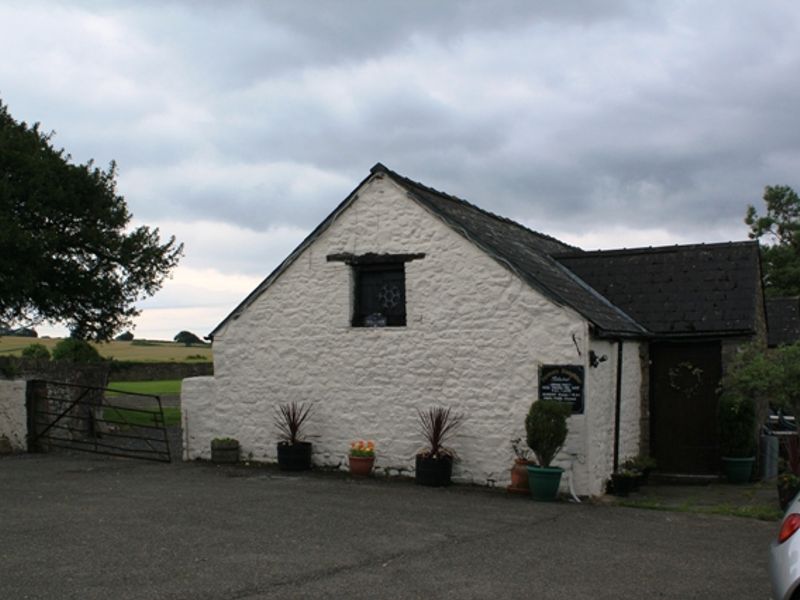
(238, 126)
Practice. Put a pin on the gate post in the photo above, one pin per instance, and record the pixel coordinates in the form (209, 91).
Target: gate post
(35, 394)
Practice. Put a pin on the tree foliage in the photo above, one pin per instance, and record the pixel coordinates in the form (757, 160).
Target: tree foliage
(76, 350)
(36, 351)
(779, 232)
(762, 375)
(187, 338)
(67, 253)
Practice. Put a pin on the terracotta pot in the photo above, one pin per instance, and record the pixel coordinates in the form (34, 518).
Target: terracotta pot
(519, 477)
(361, 466)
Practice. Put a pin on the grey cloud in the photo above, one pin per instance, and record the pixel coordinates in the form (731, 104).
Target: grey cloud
(653, 115)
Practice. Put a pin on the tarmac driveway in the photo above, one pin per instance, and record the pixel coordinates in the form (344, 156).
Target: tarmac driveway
(86, 527)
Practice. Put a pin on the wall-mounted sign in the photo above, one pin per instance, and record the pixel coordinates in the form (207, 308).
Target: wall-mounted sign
(563, 383)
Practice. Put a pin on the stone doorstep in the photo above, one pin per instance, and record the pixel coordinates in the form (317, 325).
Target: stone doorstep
(683, 479)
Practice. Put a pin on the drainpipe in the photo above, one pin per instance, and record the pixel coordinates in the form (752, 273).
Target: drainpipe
(618, 405)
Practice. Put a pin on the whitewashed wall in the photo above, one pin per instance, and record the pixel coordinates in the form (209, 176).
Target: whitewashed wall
(594, 430)
(475, 337)
(13, 419)
(199, 408)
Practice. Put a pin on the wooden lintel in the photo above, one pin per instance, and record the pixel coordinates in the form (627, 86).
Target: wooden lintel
(372, 258)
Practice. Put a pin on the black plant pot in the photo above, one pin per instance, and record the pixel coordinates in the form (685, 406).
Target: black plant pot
(294, 457)
(622, 485)
(434, 472)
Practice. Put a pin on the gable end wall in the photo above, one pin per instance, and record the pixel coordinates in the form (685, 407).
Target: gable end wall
(475, 337)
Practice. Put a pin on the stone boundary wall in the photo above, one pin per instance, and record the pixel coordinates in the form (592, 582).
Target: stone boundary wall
(92, 374)
(13, 416)
(131, 371)
(98, 374)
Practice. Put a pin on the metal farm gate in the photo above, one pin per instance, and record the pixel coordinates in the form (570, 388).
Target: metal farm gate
(88, 419)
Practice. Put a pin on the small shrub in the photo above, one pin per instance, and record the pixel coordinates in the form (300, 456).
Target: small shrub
(546, 428)
(438, 424)
(289, 421)
(36, 351)
(737, 426)
(75, 350)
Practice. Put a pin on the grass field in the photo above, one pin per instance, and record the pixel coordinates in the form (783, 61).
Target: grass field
(165, 387)
(137, 350)
(123, 416)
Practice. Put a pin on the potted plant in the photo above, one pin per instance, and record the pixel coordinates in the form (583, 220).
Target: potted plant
(642, 464)
(224, 450)
(737, 436)
(546, 428)
(294, 454)
(519, 472)
(434, 463)
(788, 488)
(362, 457)
(625, 480)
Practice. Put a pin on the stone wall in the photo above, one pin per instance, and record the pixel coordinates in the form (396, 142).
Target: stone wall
(99, 373)
(198, 417)
(13, 416)
(476, 335)
(133, 371)
(92, 374)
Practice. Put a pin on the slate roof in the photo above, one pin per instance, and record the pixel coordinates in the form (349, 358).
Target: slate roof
(672, 291)
(526, 252)
(705, 289)
(783, 320)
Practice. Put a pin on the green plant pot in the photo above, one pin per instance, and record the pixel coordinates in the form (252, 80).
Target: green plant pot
(738, 470)
(543, 482)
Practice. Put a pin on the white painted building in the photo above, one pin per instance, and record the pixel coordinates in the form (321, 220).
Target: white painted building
(471, 305)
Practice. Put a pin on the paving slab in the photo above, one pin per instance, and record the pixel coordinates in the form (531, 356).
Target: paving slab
(88, 527)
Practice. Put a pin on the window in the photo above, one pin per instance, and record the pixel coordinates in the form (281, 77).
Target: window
(380, 295)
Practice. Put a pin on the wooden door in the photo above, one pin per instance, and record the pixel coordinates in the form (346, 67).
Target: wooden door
(684, 378)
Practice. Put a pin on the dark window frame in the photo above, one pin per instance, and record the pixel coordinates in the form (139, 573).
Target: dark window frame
(369, 308)
(376, 268)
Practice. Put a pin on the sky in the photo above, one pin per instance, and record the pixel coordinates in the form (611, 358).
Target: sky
(238, 126)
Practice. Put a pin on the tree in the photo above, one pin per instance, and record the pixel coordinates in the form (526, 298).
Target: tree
(780, 226)
(67, 254)
(126, 336)
(76, 350)
(187, 338)
(36, 351)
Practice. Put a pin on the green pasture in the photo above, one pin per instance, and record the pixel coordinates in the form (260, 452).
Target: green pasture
(124, 416)
(135, 351)
(165, 387)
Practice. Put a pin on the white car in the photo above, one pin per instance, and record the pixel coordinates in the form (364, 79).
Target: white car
(784, 555)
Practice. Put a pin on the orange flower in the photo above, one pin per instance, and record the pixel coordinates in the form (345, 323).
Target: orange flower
(362, 448)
